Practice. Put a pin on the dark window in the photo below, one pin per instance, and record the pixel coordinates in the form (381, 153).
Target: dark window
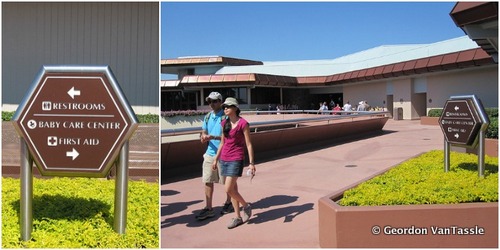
(266, 96)
(239, 93)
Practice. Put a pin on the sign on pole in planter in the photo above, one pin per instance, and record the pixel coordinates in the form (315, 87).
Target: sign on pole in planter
(464, 123)
(74, 121)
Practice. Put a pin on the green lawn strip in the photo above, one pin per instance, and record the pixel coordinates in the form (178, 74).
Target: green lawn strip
(78, 213)
(422, 180)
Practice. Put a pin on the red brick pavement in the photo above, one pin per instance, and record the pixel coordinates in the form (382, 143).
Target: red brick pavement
(285, 191)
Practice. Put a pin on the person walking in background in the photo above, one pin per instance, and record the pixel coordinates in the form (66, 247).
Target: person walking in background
(367, 106)
(211, 134)
(347, 107)
(323, 108)
(337, 108)
(361, 106)
(230, 157)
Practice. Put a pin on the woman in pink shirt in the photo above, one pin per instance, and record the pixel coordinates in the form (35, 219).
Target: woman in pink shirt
(231, 155)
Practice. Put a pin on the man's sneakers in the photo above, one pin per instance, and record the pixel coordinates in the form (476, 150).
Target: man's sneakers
(205, 213)
(210, 213)
(227, 208)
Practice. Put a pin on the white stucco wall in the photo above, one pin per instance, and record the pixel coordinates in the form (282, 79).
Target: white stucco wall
(483, 82)
(374, 93)
(419, 94)
(123, 35)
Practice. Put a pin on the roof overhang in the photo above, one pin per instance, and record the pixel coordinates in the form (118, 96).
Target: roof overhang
(439, 63)
(249, 79)
(450, 61)
(479, 20)
(173, 66)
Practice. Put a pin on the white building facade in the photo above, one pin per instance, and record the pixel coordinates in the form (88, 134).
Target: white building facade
(123, 35)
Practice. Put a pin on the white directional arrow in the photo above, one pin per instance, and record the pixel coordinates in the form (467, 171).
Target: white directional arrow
(72, 154)
(456, 135)
(73, 92)
(456, 108)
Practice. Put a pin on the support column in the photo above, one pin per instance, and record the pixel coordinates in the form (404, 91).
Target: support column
(121, 190)
(26, 209)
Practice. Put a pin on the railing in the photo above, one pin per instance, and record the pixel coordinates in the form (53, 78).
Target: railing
(255, 125)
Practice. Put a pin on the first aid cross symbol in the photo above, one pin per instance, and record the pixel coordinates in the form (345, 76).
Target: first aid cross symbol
(52, 141)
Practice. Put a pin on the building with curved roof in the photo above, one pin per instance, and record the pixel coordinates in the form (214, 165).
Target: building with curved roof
(411, 78)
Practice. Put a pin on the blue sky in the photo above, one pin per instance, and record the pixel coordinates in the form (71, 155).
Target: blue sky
(282, 31)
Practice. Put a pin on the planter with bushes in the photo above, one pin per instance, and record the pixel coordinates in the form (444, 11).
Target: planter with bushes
(432, 117)
(78, 213)
(182, 118)
(416, 204)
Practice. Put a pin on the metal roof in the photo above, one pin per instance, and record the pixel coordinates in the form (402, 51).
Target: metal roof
(377, 63)
(453, 60)
(378, 56)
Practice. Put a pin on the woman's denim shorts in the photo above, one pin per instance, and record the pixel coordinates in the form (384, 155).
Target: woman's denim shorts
(231, 168)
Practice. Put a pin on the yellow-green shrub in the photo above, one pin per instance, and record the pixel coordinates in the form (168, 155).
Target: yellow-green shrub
(422, 180)
(78, 213)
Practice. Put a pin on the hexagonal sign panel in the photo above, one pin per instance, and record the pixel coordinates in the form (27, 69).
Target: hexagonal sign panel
(460, 122)
(75, 119)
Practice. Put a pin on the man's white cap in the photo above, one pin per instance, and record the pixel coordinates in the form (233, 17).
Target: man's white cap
(214, 96)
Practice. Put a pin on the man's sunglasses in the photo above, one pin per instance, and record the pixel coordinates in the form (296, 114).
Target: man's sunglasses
(213, 101)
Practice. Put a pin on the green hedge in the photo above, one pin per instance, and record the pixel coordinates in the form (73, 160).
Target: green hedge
(422, 180)
(492, 113)
(435, 112)
(78, 213)
(492, 131)
(149, 118)
(173, 113)
(7, 116)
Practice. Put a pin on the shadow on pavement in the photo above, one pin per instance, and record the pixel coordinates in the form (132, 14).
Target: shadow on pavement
(274, 200)
(169, 192)
(189, 219)
(288, 213)
(172, 208)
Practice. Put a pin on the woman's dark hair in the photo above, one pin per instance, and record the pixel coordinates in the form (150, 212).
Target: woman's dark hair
(227, 125)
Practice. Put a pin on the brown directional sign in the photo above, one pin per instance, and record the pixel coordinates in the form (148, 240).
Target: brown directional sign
(75, 121)
(460, 122)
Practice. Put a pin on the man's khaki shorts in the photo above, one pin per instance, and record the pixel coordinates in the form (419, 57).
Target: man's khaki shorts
(209, 175)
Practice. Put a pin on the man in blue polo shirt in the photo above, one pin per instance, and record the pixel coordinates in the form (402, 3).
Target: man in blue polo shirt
(211, 134)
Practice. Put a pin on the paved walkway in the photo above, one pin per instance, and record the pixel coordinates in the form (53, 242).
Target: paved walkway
(285, 191)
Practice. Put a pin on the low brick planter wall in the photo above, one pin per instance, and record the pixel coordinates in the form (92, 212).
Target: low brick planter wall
(416, 226)
(491, 147)
(426, 120)
(185, 157)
